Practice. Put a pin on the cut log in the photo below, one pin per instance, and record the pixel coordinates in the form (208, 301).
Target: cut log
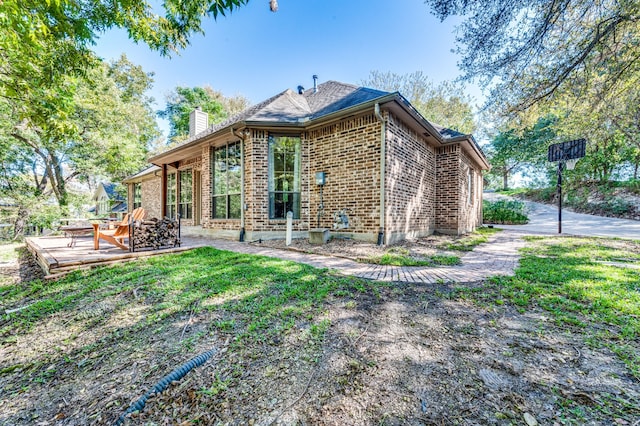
(155, 233)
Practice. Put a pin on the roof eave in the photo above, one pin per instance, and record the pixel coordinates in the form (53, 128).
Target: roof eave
(345, 112)
(238, 125)
(470, 141)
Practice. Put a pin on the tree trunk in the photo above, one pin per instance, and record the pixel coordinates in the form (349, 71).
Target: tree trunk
(18, 225)
(505, 180)
(60, 183)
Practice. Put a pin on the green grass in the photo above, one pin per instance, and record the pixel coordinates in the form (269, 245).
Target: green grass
(469, 242)
(566, 277)
(264, 295)
(398, 256)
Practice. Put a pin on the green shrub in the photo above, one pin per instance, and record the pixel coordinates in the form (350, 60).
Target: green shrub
(633, 185)
(506, 212)
(541, 195)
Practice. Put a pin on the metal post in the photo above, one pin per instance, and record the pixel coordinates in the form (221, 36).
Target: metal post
(289, 228)
(560, 165)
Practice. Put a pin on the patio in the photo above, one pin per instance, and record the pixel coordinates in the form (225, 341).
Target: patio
(56, 257)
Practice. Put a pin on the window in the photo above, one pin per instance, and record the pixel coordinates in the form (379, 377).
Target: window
(137, 195)
(284, 176)
(104, 206)
(186, 194)
(171, 196)
(226, 181)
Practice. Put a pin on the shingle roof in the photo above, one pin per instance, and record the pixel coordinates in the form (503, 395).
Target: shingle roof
(119, 208)
(110, 189)
(292, 107)
(446, 132)
(333, 96)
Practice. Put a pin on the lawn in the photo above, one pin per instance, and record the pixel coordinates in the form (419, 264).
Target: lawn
(297, 344)
(166, 307)
(590, 287)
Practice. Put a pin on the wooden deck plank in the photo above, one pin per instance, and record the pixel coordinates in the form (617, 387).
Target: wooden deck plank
(42, 256)
(57, 259)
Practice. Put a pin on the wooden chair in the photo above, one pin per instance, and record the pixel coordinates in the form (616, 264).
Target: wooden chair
(117, 235)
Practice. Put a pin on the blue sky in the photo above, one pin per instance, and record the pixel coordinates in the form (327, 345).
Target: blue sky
(258, 53)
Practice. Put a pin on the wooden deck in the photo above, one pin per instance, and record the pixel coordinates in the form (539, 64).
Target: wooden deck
(56, 258)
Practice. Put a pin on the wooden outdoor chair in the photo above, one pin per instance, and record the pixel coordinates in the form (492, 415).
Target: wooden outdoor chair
(117, 235)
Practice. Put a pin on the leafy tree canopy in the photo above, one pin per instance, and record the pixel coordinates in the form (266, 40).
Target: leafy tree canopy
(526, 50)
(182, 100)
(166, 28)
(445, 104)
(104, 126)
(512, 149)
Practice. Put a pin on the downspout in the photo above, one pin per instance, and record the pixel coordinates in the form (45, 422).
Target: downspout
(383, 157)
(242, 202)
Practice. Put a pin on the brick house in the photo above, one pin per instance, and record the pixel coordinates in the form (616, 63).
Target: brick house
(324, 154)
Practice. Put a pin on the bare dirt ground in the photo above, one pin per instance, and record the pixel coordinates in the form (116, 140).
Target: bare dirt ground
(394, 354)
(357, 250)
(407, 355)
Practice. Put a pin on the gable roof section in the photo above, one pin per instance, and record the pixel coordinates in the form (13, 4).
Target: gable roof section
(142, 174)
(332, 98)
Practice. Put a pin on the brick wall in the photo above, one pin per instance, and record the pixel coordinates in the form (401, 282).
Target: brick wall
(426, 188)
(151, 196)
(448, 189)
(470, 195)
(349, 154)
(457, 210)
(410, 183)
(151, 190)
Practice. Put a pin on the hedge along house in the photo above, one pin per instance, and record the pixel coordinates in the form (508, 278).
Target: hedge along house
(361, 162)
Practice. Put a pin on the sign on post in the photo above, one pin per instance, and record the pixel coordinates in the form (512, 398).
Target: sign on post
(562, 152)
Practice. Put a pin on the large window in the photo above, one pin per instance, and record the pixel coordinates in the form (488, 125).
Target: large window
(137, 195)
(186, 194)
(171, 196)
(284, 176)
(226, 179)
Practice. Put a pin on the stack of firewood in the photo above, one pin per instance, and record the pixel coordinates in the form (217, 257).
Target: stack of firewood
(155, 233)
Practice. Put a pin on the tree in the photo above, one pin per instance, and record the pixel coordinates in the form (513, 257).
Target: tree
(182, 100)
(526, 51)
(512, 149)
(165, 28)
(101, 124)
(43, 42)
(444, 104)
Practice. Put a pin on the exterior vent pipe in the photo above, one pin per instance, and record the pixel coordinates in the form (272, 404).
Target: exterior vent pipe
(315, 83)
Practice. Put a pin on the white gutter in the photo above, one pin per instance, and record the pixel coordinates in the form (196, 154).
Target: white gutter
(383, 160)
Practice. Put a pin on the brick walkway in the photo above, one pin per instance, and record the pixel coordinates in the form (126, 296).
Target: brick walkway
(497, 257)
